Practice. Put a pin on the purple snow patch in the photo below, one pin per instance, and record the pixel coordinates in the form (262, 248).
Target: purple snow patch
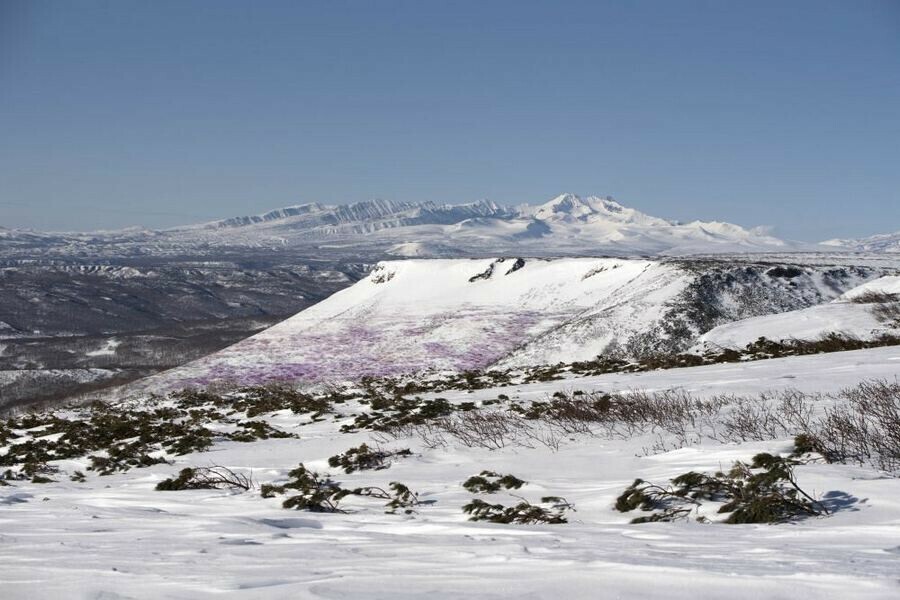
(346, 350)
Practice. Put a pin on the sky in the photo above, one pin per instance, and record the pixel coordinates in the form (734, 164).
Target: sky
(157, 113)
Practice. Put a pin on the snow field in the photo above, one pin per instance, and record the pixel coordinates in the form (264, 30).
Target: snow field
(116, 537)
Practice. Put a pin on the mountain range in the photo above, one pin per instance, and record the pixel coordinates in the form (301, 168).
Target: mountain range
(567, 225)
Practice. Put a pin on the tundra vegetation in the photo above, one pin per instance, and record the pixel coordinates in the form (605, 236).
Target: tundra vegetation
(860, 425)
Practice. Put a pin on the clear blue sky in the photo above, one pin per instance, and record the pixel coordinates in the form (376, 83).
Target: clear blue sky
(782, 113)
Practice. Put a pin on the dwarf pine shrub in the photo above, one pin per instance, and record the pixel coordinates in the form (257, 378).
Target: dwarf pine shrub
(488, 482)
(551, 510)
(250, 431)
(765, 491)
(362, 458)
(319, 493)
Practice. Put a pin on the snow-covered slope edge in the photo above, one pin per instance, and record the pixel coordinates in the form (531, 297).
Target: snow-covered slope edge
(865, 312)
(415, 315)
(883, 242)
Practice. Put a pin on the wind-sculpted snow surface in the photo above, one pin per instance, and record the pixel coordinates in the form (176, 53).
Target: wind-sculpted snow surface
(458, 315)
(115, 536)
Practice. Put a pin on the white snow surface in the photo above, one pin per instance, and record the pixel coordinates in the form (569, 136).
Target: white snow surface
(115, 537)
(108, 349)
(812, 323)
(882, 285)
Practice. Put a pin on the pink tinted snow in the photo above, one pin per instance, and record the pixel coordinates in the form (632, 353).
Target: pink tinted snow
(381, 347)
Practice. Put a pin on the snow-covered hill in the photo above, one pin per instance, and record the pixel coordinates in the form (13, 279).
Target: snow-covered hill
(414, 315)
(855, 314)
(884, 242)
(889, 285)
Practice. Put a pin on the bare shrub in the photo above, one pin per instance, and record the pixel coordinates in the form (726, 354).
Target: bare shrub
(864, 425)
(864, 430)
(679, 413)
(724, 418)
(676, 417)
(794, 409)
(431, 435)
(489, 429)
(885, 306)
(485, 429)
(675, 412)
(751, 419)
(546, 434)
(887, 312)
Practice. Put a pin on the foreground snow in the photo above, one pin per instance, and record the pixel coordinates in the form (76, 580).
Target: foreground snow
(115, 537)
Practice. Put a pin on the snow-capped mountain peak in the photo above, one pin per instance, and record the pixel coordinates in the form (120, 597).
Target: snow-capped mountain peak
(571, 207)
(564, 205)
